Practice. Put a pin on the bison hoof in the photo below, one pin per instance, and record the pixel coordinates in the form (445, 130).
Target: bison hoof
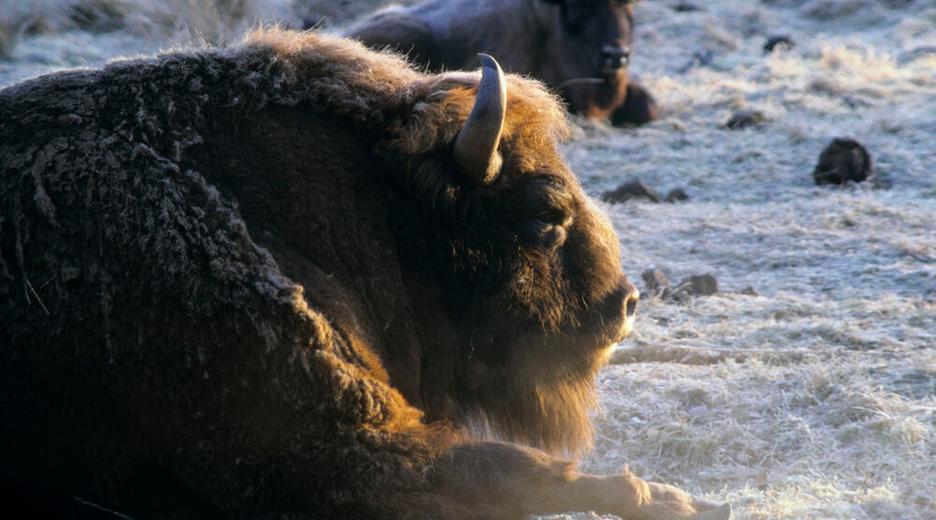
(671, 503)
(639, 107)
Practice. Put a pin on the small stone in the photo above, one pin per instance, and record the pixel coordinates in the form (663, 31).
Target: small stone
(703, 284)
(744, 119)
(779, 42)
(634, 189)
(677, 195)
(656, 282)
(685, 7)
(695, 285)
(843, 160)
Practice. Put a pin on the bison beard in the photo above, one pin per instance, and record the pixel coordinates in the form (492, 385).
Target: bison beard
(255, 281)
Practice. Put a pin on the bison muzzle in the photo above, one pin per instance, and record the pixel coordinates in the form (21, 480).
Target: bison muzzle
(297, 278)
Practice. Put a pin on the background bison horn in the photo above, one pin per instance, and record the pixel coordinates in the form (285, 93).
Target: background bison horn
(476, 145)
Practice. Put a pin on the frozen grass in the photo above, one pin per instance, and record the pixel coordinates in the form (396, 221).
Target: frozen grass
(815, 397)
(811, 395)
(38, 24)
(39, 36)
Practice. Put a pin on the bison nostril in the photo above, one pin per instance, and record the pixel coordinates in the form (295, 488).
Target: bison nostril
(630, 305)
(615, 56)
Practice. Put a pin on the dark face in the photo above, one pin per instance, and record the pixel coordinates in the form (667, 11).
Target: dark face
(601, 30)
(529, 260)
(536, 295)
(519, 287)
(594, 44)
(554, 268)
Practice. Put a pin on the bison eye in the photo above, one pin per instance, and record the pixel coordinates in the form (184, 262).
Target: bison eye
(541, 213)
(539, 233)
(546, 230)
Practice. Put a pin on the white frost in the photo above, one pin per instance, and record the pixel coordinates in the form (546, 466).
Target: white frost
(832, 413)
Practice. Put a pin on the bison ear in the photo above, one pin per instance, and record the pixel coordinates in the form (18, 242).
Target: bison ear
(475, 147)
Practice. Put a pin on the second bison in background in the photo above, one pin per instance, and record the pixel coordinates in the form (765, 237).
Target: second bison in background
(580, 48)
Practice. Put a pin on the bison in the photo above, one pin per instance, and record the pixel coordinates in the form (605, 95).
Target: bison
(580, 48)
(296, 278)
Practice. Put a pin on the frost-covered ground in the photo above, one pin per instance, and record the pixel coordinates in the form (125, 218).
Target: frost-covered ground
(812, 396)
(816, 397)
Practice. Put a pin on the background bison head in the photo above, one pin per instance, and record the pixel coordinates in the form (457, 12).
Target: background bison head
(580, 48)
(516, 277)
(593, 42)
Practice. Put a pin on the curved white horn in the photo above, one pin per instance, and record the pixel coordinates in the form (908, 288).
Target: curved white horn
(476, 145)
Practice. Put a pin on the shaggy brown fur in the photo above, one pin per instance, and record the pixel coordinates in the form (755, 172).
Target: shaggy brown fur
(574, 46)
(249, 282)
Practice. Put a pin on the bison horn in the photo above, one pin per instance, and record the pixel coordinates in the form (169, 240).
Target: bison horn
(476, 145)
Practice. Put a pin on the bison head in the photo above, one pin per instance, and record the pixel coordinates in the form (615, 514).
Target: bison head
(515, 276)
(591, 46)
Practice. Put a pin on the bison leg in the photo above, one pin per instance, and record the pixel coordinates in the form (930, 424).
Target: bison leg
(499, 481)
(639, 107)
